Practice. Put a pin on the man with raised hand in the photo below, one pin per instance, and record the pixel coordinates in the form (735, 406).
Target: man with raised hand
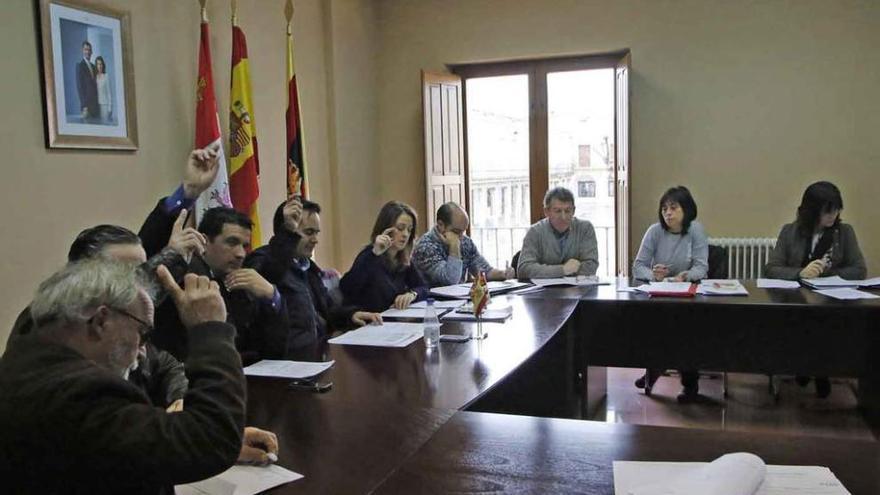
(71, 423)
(287, 263)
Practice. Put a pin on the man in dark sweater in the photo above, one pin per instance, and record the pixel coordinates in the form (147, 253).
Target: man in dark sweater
(287, 263)
(71, 423)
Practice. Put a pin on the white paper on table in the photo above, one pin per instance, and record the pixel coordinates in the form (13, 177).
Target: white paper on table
(870, 282)
(732, 474)
(775, 283)
(240, 480)
(463, 291)
(438, 304)
(457, 291)
(388, 334)
(682, 287)
(721, 287)
(411, 313)
(847, 294)
(490, 315)
(830, 282)
(287, 369)
(580, 281)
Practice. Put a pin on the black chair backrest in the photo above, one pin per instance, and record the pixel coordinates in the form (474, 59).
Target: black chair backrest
(514, 262)
(717, 262)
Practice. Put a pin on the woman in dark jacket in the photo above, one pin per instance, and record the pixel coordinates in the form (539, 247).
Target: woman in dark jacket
(382, 274)
(817, 244)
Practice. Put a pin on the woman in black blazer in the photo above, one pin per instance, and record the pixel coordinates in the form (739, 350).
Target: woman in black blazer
(817, 244)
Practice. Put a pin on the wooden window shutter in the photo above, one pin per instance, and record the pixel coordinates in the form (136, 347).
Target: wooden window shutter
(443, 109)
(622, 164)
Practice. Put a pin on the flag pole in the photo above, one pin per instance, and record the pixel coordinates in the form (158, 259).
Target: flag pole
(235, 12)
(288, 12)
(204, 4)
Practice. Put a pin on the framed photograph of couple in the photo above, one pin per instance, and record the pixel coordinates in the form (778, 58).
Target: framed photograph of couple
(88, 76)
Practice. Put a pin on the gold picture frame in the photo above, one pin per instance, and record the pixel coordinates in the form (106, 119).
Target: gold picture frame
(88, 76)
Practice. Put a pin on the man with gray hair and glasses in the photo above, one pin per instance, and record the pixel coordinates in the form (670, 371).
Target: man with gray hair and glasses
(71, 423)
(560, 244)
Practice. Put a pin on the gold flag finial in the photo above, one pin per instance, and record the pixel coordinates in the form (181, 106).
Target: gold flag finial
(288, 12)
(204, 4)
(234, 12)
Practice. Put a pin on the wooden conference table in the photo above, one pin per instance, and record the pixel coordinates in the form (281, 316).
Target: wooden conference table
(402, 420)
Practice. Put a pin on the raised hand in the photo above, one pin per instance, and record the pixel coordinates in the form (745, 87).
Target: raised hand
(186, 240)
(383, 241)
(292, 212)
(201, 170)
(250, 280)
(198, 302)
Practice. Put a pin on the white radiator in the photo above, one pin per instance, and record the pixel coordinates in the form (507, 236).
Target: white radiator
(746, 256)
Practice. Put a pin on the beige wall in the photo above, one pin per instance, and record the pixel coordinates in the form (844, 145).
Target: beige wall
(49, 196)
(745, 102)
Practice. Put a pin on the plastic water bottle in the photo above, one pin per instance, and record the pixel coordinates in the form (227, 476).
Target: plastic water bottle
(432, 325)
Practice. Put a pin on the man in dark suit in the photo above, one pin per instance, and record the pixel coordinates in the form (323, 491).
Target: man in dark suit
(86, 85)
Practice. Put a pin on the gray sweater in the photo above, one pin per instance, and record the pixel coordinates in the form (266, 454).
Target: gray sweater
(680, 253)
(788, 255)
(542, 258)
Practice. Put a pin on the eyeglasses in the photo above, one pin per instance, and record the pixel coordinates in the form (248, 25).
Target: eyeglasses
(145, 329)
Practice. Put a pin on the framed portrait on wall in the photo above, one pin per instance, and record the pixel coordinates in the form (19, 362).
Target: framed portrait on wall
(88, 75)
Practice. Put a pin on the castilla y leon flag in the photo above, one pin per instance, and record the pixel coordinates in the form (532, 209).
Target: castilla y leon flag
(208, 127)
(243, 156)
(296, 165)
(479, 294)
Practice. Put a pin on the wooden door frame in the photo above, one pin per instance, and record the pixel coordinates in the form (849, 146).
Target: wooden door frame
(536, 70)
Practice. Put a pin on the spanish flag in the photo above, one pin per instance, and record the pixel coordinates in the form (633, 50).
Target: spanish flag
(296, 165)
(243, 156)
(208, 127)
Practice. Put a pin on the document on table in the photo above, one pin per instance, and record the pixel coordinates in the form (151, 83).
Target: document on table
(870, 282)
(731, 474)
(667, 288)
(829, 282)
(710, 287)
(775, 283)
(287, 369)
(847, 294)
(490, 315)
(240, 480)
(438, 304)
(571, 281)
(388, 334)
(463, 291)
(412, 313)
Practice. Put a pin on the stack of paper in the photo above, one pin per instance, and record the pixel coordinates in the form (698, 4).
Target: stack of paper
(287, 369)
(775, 283)
(388, 334)
(240, 480)
(731, 474)
(870, 282)
(847, 294)
(580, 281)
(710, 287)
(673, 289)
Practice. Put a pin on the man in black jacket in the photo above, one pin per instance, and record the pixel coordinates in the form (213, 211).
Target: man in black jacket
(70, 422)
(287, 262)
